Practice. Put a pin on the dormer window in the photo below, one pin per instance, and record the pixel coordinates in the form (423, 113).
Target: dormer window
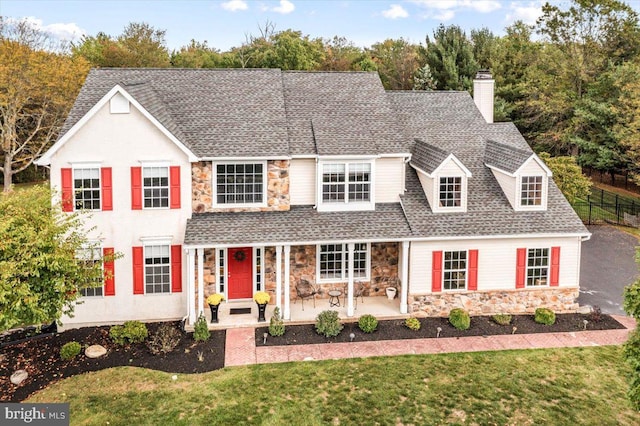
(346, 186)
(531, 191)
(450, 191)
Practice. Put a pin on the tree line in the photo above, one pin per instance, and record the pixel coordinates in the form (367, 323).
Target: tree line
(570, 82)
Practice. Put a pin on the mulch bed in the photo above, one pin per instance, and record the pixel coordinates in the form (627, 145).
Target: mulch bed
(40, 357)
(395, 329)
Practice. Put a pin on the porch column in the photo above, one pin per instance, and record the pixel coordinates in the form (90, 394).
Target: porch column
(279, 277)
(191, 286)
(287, 281)
(350, 248)
(404, 293)
(199, 308)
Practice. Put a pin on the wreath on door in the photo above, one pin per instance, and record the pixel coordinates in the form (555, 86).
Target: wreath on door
(239, 256)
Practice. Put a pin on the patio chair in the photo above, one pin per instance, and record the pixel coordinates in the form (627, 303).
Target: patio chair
(358, 291)
(305, 290)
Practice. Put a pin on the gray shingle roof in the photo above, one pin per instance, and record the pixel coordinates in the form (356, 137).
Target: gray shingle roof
(505, 157)
(427, 157)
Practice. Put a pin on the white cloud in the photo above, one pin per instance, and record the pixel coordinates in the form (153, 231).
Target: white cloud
(525, 12)
(395, 11)
(285, 7)
(235, 5)
(446, 9)
(60, 31)
(445, 15)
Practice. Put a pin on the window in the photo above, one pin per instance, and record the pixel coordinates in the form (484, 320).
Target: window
(455, 270)
(531, 191)
(450, 191)
(333, 261)
(537, 267)
(157, 269)
(240, 183)
(221, 270)
(346, 182)
(86, 189)
(155, 183)
(90, 256)
(258, 274)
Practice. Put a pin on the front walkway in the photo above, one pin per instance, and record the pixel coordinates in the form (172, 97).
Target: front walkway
(241, 348)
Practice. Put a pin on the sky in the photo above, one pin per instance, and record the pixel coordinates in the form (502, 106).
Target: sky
(227, 23)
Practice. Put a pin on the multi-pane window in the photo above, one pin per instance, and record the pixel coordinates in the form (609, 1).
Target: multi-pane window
(455, 270)
(258, 269)
(531, 191)
(334, 261)
(537, 266)
(346, 182)
(155, 184)
(221, 273)
(239, 183)
(89, 256)
(86, 189)
(450, 191)
(157, 269)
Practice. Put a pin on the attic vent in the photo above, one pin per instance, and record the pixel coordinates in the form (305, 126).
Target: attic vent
(119, 104)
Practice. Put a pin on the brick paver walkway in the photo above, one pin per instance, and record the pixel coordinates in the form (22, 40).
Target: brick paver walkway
(241, 348)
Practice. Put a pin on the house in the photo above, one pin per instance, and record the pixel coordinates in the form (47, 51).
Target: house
(234, 181)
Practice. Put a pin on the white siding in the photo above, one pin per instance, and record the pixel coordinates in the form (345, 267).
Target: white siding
(450, 168)
(389, 180)
(427, 187)
(302, 181)
(508, 185)
(532, 168)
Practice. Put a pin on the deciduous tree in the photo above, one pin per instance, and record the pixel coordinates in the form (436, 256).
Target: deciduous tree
(568, 176)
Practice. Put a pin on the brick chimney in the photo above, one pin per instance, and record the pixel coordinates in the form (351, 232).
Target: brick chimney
(483, 94)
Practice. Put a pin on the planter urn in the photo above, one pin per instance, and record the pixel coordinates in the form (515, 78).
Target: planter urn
(262, 308)
(214, 313)
(391, 292)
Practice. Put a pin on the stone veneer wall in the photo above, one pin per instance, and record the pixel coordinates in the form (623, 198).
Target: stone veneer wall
(496, 302)
(277, 188)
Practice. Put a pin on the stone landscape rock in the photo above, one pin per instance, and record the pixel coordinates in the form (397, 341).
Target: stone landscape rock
(18, 377)
(95, 351)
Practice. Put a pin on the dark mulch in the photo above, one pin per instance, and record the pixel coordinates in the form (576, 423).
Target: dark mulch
(395, 329)
(40, 357)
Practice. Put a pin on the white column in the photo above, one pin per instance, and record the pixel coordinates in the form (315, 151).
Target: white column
(287, 281)
(351, 248)
(191, 286)
(199, 308)
(279, 277)
(404, 285)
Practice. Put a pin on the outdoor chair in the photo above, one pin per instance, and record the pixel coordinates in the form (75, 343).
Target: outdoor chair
(358, 291)
(305, 290)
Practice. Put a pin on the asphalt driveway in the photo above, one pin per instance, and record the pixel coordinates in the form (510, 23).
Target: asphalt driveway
(607, 266)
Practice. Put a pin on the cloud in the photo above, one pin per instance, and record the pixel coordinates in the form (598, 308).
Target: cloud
(446, 9)
(395, 11)
(285, 7)
(525, 12)
(445, 15)
(60, 31)
(235, 5)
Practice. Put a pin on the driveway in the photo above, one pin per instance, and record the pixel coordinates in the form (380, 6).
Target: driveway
(607, 266)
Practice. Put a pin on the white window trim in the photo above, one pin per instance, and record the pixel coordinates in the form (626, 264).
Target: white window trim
(345, 268)
(96, 244)
(157, 165)
(543, 201)
(214, 185)
(463, 194)
(86, 166)
(466, 272)
(155, 242)
(346, 205)
(255, 270)
(224, 254)
(527, 267)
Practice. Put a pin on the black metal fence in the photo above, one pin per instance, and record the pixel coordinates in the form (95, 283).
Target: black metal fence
(598, 212)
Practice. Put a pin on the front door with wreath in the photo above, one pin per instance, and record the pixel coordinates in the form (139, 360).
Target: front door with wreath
(240, 273)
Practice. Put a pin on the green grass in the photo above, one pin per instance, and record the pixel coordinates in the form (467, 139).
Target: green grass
(558, 386)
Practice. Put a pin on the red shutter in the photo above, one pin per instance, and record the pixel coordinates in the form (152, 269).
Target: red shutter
(107, 192)
(436, 272)
(109, 273)
(138, 270)
(555, 266)
(521, 267)
(67, 189)
(136, 188)
(176, 269)
(472, 279)
(174, 187)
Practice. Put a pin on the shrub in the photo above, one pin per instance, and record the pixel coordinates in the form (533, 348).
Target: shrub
(129, 332)
(596, 314)
(201, 329)
(368, 323)
(545, 316)
(328, 324)
(70, 350)
(164, 340)
(412, 323)
(459, 318)
(276, 325)
(502, 319)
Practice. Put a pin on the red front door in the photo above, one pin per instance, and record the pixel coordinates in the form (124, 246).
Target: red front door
(240, 267)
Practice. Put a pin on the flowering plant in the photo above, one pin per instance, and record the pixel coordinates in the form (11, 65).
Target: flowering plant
(215, 299)
(262, 297)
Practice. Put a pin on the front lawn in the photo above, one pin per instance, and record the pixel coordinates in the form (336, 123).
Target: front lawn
(549, 386)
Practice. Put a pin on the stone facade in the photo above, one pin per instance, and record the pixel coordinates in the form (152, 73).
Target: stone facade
(277, 188)
(495, 302)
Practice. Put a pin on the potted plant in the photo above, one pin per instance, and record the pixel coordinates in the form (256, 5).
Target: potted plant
(214, 303)
(261, 298)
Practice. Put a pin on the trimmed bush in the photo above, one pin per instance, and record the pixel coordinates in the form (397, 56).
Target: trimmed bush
(502, 319)
(412, 323)
(128, 333)
(545, 316)
(368, 323)
(328, 324)
(459, 318)
(70, 350)
(276, 325)
(164, 340)
(201, 331)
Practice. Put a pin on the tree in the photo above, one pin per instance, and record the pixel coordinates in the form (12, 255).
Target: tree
(37, 88)
(631, 304)
(196, 55)
(627, 127)
(396, 61)
(568, 176)
(40, 274)
(484, 45)
(341, 55)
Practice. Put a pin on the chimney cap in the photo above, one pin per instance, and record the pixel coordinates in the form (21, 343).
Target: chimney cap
(483, 74)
